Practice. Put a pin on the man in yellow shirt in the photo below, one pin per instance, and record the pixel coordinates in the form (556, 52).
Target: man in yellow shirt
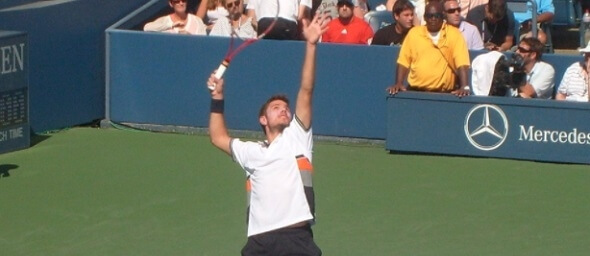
(433, 57)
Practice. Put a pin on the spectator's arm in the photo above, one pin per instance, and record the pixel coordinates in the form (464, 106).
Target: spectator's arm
(401, 74)
(527, 91)
(202, 10)
(159, 25)
(545, 17)
(546, 11)
(389, 4)
(560, 96)
(463, 74)
(507, 44)
(252, 14)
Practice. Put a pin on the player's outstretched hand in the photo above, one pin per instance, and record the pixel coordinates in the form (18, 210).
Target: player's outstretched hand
(215, 86)
(312, 31)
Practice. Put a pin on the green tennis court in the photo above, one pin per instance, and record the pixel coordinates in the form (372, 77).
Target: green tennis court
(87, 191)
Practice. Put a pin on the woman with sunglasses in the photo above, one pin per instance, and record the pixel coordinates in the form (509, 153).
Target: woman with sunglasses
(179, 22)
(236, 22)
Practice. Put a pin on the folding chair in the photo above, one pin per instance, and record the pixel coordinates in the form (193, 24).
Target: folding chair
(379, 19)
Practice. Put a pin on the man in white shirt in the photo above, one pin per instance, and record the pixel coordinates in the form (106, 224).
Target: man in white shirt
(279, 170)
(575, 82)
(539, 74)
(291, 13)
(469, 31)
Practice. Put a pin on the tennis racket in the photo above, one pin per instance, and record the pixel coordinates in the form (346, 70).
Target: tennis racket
(231, 52)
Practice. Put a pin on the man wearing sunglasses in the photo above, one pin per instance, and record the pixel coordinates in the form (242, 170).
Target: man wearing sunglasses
(236, 22)
(348, 28)
(539, 74)
(469, 32)
(433, 57)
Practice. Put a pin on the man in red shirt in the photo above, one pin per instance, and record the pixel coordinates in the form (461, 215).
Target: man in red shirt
(347, 28)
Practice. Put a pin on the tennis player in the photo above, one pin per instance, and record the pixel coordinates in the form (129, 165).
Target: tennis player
(279, 169)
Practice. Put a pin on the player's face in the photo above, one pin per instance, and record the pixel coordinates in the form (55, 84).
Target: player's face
(453, 13)
(277, 116)
(345, 11)
(405, 19)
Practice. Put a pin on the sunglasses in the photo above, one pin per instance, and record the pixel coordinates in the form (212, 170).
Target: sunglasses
(453, 10)
(177, 1)
(523, 50)
(231, 4)
(437, 15)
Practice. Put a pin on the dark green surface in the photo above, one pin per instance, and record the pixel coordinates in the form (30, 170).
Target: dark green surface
(110, 192)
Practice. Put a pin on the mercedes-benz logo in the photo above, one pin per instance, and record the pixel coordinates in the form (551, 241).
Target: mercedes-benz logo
(486, 127)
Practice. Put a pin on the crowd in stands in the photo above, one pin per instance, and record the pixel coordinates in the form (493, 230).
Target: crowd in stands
(435, 38)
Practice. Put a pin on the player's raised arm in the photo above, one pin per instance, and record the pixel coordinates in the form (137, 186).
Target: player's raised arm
(312, 31)
(217, 129)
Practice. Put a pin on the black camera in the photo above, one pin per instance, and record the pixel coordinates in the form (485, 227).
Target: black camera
(509, 73)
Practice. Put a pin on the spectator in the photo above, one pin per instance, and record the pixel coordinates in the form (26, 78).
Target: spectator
(348, 28)
(545, 11)
(394, 34)
(291, 13)
(433, 57)
(322, 7)
(495, 24)
(469, 32)
(179, 22)
(211, 10)
(574, 84)
(329, 6)
(236, 22)
(467, 5)
(418, 10)
(361, 7)
(539, 74)
(279, 170)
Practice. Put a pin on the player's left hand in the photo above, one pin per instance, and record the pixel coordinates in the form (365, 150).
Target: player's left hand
(312, 31)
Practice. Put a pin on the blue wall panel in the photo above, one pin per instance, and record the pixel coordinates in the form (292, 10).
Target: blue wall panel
(160, 79)
(66, 56)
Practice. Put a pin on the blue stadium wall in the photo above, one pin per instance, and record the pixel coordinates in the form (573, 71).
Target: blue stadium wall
(66, 39)
(156, 78)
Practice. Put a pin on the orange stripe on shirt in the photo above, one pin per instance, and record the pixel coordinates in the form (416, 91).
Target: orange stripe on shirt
(304, 164)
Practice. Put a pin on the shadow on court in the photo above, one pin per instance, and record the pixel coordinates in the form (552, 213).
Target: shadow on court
(37, 138)
(5, 169)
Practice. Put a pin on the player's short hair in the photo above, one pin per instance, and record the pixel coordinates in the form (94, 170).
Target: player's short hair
(281, 97)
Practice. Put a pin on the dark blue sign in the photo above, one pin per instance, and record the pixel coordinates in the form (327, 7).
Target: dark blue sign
(14, 92)
(531, 129)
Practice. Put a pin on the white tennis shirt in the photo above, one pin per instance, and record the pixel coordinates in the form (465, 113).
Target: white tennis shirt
(277, 196)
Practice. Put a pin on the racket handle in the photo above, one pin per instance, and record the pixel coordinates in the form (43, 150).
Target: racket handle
(219, 72)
